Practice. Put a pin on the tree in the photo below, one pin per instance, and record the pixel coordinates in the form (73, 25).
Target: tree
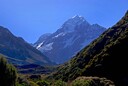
(8, 73)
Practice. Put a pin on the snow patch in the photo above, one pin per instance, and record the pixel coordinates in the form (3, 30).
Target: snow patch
(60, 34)
(46, 47)
(39, 45)
(74, 16)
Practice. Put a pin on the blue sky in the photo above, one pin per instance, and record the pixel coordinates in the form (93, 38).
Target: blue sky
(32, 18)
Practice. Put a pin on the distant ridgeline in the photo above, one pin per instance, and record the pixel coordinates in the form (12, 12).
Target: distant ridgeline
(70, 38)
(104, 57)
(18, 51)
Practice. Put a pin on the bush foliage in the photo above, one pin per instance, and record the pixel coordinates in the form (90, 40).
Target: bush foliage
(8, 74)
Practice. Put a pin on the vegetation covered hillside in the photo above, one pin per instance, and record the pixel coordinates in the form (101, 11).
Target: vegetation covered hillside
(8, 74)
(104, 57)
(18, 51)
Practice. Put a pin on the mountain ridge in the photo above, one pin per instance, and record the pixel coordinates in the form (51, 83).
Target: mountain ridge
(18, 48)
(102, 58)
(70, 38)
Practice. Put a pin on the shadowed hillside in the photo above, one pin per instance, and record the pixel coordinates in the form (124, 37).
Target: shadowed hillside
(104, 57)
(19, 51)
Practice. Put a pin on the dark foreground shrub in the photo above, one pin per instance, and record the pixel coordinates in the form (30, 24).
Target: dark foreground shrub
(60, 83)
(43, 83)
(8, 74)
(92, 81)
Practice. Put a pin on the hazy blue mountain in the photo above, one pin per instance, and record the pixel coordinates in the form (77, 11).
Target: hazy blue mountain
(70, 38)
(43, 37)
(19, 51)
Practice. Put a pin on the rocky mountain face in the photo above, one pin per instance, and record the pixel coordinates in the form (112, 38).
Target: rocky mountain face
(73, 35)
(19, 51)
(104, 57)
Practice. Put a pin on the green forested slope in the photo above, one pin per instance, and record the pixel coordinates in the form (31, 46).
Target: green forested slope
(104, 57)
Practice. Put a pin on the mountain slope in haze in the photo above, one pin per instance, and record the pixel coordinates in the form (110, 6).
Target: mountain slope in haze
(73, 35)
(104, 57)
(18, 51)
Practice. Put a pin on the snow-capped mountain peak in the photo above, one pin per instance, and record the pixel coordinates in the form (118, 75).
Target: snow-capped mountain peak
(77, 17)
(71, 37)
(75, 20)
(70, 24)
